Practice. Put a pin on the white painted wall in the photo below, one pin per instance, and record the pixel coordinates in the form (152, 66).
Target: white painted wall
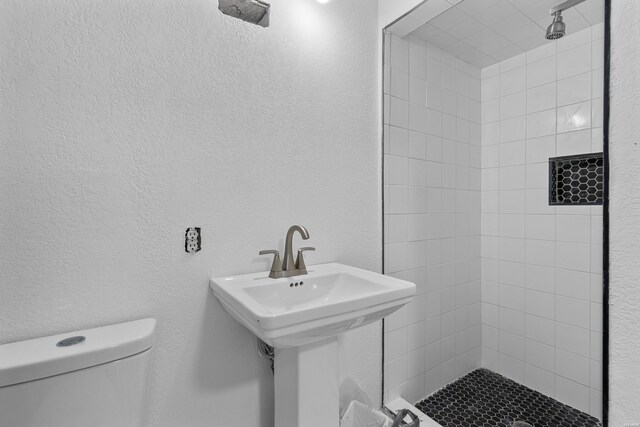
(625, 214)
(542, 265)
(124, 123)
(432, 217)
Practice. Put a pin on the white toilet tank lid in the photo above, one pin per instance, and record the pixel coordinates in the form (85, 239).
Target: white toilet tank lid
(45, 357)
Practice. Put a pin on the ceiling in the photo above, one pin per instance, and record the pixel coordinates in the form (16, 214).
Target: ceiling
(483, 32)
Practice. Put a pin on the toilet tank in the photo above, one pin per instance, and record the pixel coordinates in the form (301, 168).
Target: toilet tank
(95, 377)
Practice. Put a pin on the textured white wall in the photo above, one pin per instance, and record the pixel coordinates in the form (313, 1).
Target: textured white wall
(123, 123)
(625, 213)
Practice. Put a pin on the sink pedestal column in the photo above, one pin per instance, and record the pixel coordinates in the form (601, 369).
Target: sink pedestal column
(306, 385)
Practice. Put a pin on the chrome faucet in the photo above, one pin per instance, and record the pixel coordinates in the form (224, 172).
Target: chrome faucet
(288, 268)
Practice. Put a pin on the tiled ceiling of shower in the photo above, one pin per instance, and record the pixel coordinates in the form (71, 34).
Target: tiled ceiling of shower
(483, 32)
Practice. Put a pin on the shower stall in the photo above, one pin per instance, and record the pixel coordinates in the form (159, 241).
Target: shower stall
(493, 206)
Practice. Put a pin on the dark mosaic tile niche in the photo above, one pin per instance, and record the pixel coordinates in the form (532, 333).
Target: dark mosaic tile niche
(576, 180)
(484, 398)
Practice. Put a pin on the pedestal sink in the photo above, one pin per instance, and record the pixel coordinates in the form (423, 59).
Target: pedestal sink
(301, 316)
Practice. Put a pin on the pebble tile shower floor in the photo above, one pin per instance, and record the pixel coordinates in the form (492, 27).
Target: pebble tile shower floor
(484, 398)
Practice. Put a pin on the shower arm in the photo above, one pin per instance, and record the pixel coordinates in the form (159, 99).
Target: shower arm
(564, 6)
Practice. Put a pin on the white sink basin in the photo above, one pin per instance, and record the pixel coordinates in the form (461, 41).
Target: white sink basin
(294, 311)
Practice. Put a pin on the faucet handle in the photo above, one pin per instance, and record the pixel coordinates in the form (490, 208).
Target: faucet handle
(276, 267)
(300, 260)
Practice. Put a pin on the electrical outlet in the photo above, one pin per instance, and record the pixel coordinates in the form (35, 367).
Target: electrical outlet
(192, 246)
(192, 240)
(192, 233)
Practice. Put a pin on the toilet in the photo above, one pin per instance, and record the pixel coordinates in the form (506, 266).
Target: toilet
(96, 377)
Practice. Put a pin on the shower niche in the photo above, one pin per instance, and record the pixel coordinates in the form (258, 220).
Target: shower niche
(576, 180)
(483, 118)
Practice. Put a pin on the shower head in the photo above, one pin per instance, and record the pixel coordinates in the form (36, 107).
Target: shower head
(557, 28)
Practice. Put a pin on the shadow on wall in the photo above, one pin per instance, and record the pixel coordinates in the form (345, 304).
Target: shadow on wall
(214, 368)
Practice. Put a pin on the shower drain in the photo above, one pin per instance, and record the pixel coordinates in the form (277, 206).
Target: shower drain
(520, 424)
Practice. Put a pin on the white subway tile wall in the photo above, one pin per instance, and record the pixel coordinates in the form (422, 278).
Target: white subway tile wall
(542, 265)
(504, 280)
(432, 161)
